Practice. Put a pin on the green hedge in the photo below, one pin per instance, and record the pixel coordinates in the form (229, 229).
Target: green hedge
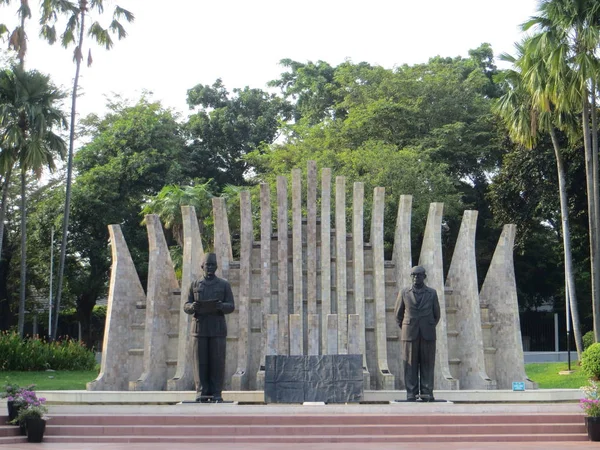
(32, 353)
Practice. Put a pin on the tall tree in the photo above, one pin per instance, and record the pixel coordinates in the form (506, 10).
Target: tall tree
(566, 39)
(528, 112)
(74, 34)
(28, 116)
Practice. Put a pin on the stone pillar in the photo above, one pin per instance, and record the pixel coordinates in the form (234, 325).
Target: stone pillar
(313, 334)
(401, 257)
(499, 292)
(124, 292)
(265, 274)
(326, 258)
(462, 281)
(222, 238)
(296, 335)
(272, 335)
(340, 264)
(161, 284)
(297, 249)
(359, 277)
(385, 379)
(353, 334)
(332, 334)
(239, 381)
(311, 239)
(282, 266)
(431, 260)
(193, 256)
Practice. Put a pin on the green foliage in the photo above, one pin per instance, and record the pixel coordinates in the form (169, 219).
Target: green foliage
(35, 354)
(590, 361)
(588, 339)
(590, 402)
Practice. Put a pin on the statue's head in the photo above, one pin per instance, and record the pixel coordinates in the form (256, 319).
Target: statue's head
(210, 265)
(418, 276)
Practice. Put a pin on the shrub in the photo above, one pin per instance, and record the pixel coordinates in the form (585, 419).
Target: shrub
(590, 361)
(588, 339)
(35, 354)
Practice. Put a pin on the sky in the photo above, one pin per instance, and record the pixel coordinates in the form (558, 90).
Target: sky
(173, 46)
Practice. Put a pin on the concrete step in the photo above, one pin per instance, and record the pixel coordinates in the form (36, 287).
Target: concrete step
(319, 439)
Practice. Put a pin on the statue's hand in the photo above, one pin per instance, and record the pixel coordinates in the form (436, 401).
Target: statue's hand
(219, 306)
(197, 306)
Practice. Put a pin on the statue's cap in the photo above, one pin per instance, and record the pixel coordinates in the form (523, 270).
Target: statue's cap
(417, 269)
(210, 258)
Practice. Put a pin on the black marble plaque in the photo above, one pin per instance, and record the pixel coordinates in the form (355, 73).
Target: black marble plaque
(323, 378)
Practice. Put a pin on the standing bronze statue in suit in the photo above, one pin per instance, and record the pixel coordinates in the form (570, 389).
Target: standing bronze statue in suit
(209, 299)
(417, 314)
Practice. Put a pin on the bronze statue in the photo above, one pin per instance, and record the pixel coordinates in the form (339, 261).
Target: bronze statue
(209, 299)
(418, 313)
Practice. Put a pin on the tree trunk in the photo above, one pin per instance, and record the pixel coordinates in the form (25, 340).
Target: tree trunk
(65, 230)
(3, 206)
(21, 322)
(570, 292)
(592, 221)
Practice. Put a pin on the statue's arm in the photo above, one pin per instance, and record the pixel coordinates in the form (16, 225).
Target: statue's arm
(228, 303)
(188, 306)
(436, 307)
(400, 308)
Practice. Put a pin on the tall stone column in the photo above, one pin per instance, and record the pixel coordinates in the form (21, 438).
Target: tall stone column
(431, 260)
(326, 259)
(311, 260)
(385, 377)
(282, 266)
(462, 281)
(402, 255)
(124, 293)
(222, 237)
(265, 274)
(239, 380)
(359, 276)
(297, 300)
(499, 292)
(193, 256)
(340, 264)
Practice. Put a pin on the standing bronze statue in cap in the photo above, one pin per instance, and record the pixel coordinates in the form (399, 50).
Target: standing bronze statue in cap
(209, 299)
(418, 313)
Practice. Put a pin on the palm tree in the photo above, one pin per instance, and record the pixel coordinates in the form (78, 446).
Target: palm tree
(527, 113)
(566, 39)
(28, 116)
(74, 33)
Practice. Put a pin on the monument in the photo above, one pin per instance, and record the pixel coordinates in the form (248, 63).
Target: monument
(315, 289)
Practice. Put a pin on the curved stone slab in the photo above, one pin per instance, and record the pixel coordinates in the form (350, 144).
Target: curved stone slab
(462, 282)
(499, 293)
(193, 256)
(431, 260)
(124, 293)
(162, 282)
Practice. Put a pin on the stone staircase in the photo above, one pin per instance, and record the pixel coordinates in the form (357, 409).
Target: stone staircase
(307, 428)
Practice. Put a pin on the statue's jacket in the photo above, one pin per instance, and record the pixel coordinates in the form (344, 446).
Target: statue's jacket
(417, 319)
(210, 322)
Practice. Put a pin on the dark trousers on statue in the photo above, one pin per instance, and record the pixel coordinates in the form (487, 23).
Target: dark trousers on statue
(419, 363)
(209, 370)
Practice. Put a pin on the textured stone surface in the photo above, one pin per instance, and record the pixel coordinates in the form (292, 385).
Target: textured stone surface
(311, 239)
(326, 260)
(340, 264)
(193, 255)
(161, 284)
(265, 276)
(313, 334)
(359, 268)
(462, 282)
(239, 381)
(385, 378)
(326, 378)
(499, 292)
(124, 293)
(431, 260)
(282, 265)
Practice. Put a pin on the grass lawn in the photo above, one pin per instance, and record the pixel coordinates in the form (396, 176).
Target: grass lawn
(545, 374)
(547, 377)
(50, 381)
